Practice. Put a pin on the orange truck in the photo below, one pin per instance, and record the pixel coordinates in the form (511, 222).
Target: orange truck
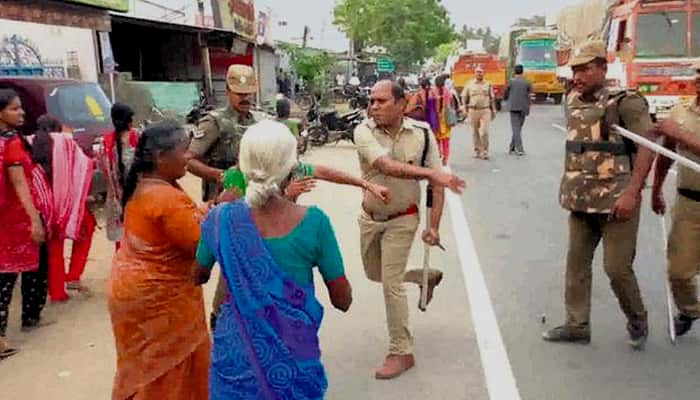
(652, 46)
(495, 71)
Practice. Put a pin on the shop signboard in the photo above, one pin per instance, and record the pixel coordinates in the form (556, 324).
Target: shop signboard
(237, 16)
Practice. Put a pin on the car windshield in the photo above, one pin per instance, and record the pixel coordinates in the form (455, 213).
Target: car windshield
(662, 35)
(78, 104)
(538, 54)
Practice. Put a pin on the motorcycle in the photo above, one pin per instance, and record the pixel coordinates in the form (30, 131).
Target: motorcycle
(360, 98)
(330, 126)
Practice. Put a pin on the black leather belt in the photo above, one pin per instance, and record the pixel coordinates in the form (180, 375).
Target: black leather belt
(690, 194)
(580, 147)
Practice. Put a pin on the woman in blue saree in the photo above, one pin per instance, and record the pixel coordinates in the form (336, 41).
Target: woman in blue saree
(266, 339)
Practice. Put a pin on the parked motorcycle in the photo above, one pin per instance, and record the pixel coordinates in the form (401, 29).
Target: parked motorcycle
(330, 126)
(360, 98)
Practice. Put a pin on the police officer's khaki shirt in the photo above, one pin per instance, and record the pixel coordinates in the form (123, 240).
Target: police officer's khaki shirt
(688, 115)
(480, 94)
(406, 147)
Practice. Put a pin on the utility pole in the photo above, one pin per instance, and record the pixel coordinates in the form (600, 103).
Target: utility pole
(206, 61)
(306, 36)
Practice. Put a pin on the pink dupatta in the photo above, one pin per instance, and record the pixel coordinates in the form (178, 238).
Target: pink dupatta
(72, 176)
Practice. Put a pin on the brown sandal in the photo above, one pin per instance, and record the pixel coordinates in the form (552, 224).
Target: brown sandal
(5, 350)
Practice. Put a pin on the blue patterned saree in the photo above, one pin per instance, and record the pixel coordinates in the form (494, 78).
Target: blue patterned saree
(266, 339)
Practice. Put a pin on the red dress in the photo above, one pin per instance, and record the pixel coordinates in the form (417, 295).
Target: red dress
(18, 252)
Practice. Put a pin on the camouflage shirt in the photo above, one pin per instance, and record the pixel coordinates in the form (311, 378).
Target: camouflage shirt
(593, 180)
(218, 135)
(216, 141)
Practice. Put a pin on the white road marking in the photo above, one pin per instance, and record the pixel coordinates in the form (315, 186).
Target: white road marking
(500, 380)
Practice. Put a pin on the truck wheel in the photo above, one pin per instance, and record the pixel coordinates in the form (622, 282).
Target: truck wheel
(558, 98)
(499, 105)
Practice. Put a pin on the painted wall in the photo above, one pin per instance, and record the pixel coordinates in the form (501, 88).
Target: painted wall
(57, 51)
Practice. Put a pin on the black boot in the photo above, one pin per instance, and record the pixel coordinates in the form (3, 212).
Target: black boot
(683, 323)
(639, 332)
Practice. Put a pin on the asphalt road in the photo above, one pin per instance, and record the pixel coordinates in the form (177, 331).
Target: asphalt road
(519, 233)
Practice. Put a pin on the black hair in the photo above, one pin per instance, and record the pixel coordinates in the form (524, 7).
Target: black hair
(425, 83)
(283, 108)
(519, 69)
(600, 62)
(402, 83)
(397, 91)
(42, 148)
(440, 80)
(158, 138)
(122, 117)
(6, 97)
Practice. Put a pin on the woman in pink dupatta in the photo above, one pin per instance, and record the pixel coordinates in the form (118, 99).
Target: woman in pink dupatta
(70, 173)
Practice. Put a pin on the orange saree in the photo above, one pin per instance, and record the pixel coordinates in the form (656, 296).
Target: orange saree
(157, 311)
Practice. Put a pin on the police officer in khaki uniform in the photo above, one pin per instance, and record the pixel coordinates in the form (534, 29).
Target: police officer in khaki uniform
(478, 100)
(684, 240)
(215, 142)
(391, 149)
(601, 187)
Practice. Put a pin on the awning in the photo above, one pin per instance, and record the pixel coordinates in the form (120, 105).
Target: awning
(209, 32)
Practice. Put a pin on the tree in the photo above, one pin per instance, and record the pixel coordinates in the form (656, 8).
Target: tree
(312, 65)
(444, 51)
(491, 41)
(410, 30)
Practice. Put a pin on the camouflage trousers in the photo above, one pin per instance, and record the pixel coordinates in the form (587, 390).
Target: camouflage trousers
(684, 255)
(619, 248)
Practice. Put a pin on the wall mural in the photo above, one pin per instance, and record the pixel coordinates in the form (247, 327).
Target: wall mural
(20, 57)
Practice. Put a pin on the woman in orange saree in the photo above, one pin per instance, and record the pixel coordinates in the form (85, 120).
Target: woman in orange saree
(157, 311)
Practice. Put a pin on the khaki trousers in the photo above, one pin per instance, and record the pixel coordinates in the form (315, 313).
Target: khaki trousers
(619, 247)
(481, 121)
(385, 249)
(684, 255)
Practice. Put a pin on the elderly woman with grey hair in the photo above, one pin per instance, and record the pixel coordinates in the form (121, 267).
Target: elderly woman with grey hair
(266, 338)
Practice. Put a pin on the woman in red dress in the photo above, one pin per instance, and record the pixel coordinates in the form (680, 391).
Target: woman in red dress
(23, 228)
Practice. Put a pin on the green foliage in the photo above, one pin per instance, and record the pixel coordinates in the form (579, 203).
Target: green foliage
(444, 51)
(410, 30)
(313, 66)
(490, 40)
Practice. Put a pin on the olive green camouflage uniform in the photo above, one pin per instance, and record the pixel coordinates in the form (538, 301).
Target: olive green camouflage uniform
(597, 170)
(216, 141)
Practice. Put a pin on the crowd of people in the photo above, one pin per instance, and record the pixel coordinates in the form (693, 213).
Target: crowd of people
(47, 199)
(262, 340)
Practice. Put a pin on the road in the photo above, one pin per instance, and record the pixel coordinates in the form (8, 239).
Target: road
(519, 232)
